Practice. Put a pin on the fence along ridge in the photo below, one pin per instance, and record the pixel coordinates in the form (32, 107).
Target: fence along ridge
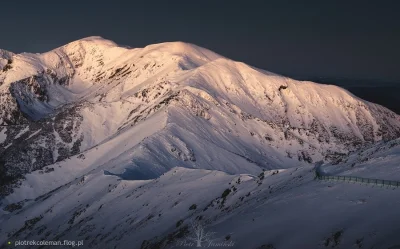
(372, 181)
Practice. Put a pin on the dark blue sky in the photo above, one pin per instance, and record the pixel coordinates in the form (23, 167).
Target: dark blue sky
(357, 40)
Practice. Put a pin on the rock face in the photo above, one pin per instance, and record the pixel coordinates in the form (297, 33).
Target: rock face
(212, 112)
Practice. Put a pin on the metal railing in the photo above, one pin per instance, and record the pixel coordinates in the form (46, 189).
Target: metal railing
(357, 179)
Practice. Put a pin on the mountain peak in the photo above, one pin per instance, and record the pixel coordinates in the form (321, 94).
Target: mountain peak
(95, 39)
(188, 50)
(90, 43)
(173, 47)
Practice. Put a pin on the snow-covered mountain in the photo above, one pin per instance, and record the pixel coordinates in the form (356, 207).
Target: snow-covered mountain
(120, 116)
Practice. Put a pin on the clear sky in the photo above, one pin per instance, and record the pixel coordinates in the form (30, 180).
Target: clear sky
(350, 39)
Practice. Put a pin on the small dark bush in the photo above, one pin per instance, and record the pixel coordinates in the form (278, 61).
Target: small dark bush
(179, 223)
(269, 246)
(336, 236)
(13, 206)
(226, 193)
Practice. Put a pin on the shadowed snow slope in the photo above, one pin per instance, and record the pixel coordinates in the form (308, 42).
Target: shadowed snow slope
(91, 115)
(283, 208)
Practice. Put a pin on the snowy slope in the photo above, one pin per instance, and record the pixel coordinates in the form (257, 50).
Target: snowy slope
(281, 209)
(375, 161)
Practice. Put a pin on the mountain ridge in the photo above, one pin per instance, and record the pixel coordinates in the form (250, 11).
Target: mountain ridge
(83, 95)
